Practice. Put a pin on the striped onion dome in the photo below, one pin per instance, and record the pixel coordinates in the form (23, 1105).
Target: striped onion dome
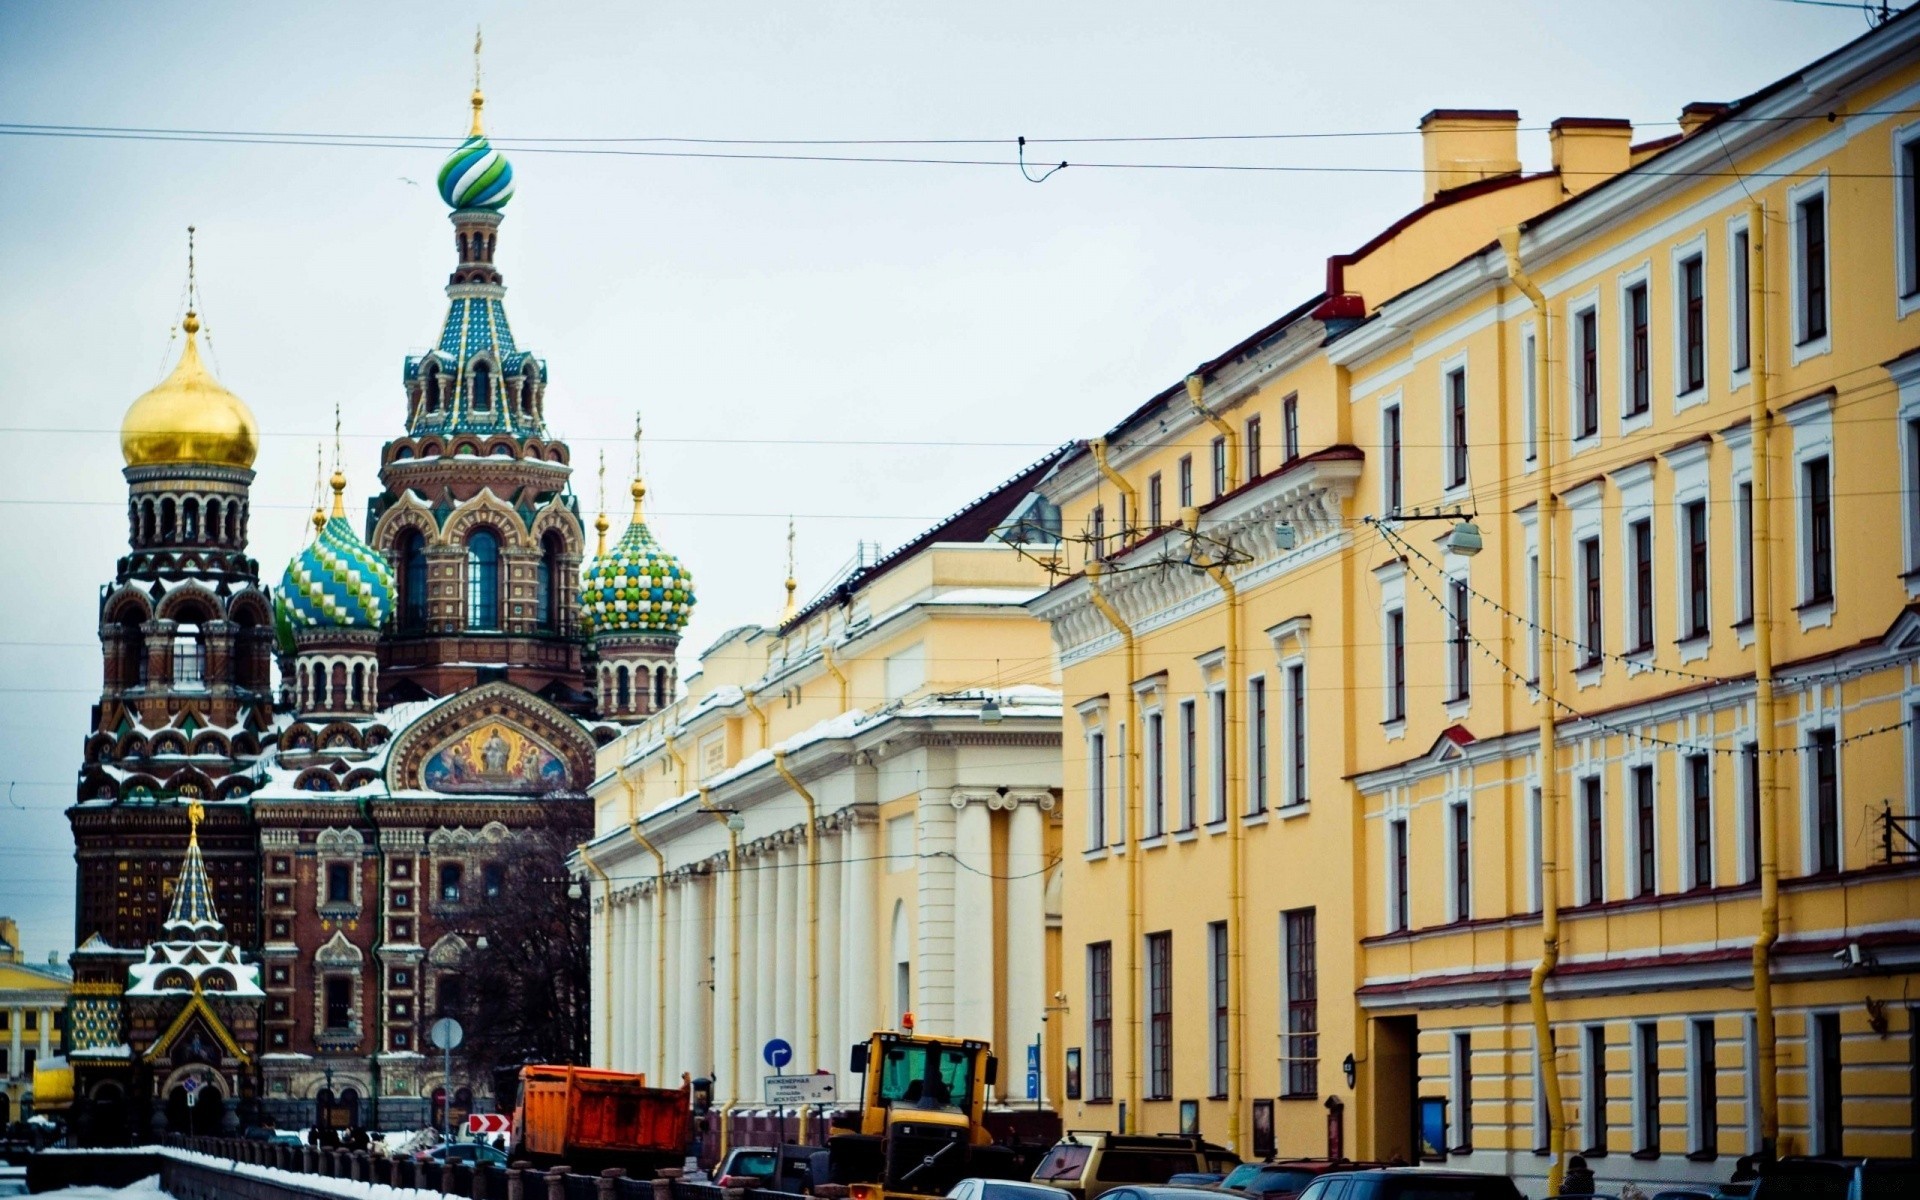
(635, 586)
(337, 581)
(476, 176)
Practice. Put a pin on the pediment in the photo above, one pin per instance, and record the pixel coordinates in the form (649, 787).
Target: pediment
(497, 739)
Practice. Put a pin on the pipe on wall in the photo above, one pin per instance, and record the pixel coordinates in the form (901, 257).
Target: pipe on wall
(1130, 772)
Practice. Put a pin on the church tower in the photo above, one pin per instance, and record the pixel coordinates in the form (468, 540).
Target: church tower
(476, 520)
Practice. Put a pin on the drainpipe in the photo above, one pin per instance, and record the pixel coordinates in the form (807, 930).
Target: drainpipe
(813, 919)
(759, 714)
(660, 926)
(733, 968)
(1544, 1053)
(606, 960)
(1236, 806)
(1765, 734)
(668, 743)
(1196, 388)
(1130, 773)
(833, 669)
(1129, 499)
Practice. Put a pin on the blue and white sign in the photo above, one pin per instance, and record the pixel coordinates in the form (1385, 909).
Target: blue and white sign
(1033, 1085)
(777, 1053)
(1033, 1056)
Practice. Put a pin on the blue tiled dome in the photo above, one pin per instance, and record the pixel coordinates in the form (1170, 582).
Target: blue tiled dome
(337, 581)
(636, 587)
(476, 176)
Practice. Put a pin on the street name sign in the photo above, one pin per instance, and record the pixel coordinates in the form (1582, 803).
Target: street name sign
(789, 1091)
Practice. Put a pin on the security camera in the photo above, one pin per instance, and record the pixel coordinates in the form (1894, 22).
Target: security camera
(1852, 955)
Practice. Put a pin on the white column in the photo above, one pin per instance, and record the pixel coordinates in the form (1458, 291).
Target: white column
(1026, 943)
(725, 1054)
(768, 925)
(599, 1001)
(787, 937)
(805, 934)
(974, 985)
(860, 985)
(646, 1041)
(744, 1082)
(696, 1054)
(675, 894)
(14, 1018)
(933, 978)
(624, 981)
(827, 1019)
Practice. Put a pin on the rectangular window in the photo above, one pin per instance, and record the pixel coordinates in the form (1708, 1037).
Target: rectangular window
(1532, 634)
(1159, 1016)
(1097, 530)
(1639, 353)
(1907, 164)
(1290, 428)
(1587, 380)
(1390, 434)
(339, 883)
(1750, 765)
(1700, 818)
(1219, 467)
(1303, 1003)
(1590, 599)
(1398, 913)
(1693, 324)
(1743, 542)
(1596, 1072)
(1253, 447)
(1818, 514)
(1594, 816)
(1826, 800)
(1296, 734)
(450, 880)
(1646, 1088)
(1100, 1020)
(1693, 519)
(1462, 1132)
(1217, 952)
(1396, 665)
(1217, 735)
(1460, 832)
(1826, 1091)
(1460, 639)
(1457, 427)
(1257, 735)
(1529, 370)
(1156, 749)
(1742, 332)
(1186, 481)
(1154, 509)
(339, 1003)
(1912, 434)
(1640, 538)
(1706, 1089)
(1812, 248)
(1096, 790)
(1189, 765)
(1646, 874)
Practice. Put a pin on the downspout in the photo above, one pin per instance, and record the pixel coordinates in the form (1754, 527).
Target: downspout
(833, 669)
(1129, 499)
(813, 919)
(733, 967)
(1196, 388)
(759, 714)
(1766, 735)
(1130, 774)
(1236, 806)
(1545, 1056)
(606, 960)
(380, 980)
(660, 927)
(668, 743)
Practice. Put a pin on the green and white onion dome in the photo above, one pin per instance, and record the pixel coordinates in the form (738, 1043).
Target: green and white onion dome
(337, 581)
(635, 586)
(476, 175)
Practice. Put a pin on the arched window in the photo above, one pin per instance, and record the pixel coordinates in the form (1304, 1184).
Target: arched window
(167, 523)
(430, 387)
(339, 688)
(359, 685)
(214, 516)
(190, 520)
(189, 658)
(133, 653)
(413, 580)
(547, 577)
(622, 689)
(483, 579)
(659, 687)
(450, 879)
(319, 686)
(233, 524)
(146, 522)
(482, 397)
(528, 379)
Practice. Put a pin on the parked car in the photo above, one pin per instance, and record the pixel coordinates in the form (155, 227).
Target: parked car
(1283, 1178)
(748, 1167)
(1003, 1189)
(1161, 1192)
(469, 1153)
(1089, 1164)
(1838, 1179)
(1196, 1178)
(1404, 1183)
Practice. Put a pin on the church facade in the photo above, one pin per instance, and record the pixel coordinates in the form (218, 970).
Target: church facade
(280, 886)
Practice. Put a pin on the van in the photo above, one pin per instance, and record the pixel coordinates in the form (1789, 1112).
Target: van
(1087, 1163)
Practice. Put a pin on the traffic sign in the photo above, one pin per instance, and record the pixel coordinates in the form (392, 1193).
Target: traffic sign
(489, 1123)
(777, 1053)
(788, 1091)
(446, 1033)
(1033, 1056)
(1033, 1085)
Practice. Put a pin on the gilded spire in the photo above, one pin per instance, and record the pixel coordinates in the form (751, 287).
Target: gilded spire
(639, 488)
(188, 417)
(191, 914)
(479, 100)
(600, 522)
(339, 480)
(787, 613)
(319, 470)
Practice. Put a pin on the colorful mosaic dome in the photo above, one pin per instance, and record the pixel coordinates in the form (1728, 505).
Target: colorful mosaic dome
(476, 176)
(338, 581)
(635, 586)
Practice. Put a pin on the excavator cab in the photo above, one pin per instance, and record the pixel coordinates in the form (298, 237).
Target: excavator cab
(921, 1117)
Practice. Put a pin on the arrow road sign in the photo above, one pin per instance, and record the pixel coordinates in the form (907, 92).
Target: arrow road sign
(489, 1123)
(791, 1091)
(777, 1053)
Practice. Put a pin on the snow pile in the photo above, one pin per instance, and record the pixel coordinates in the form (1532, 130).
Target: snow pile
(146, 1189)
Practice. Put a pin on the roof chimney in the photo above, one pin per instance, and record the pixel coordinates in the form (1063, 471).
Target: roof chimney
(1588, 151)
(1698, 113)
(1465, 145)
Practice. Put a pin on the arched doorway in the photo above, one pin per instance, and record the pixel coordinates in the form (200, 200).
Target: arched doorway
(195, 1100)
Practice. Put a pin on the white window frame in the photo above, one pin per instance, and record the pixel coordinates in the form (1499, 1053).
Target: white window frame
(1576, 307)
(1530, 530)
(1459, 808)
(1684, 788)
(1739, 442)
(1099, 796)
(1584, 513)
(1459, 691)
(1639, 275)
(1803, 349)
(1683, 397)
(1253, 747)
(1822, 717)
(1744, 777)
(1581, 859)
(1910, 700)
(1534, 880)
(1906, 375)
(1635, 487)
(1391, 402)
(1391, 871)
(1811, 424)
(1541, 1130)
(1460, 1087)
(1639, 756)
(1816, 1094)
(1189, 766)
(1153, 754)
(1288, 800)
(1696, 1135)
(1691, 481)
(1530, 387)
(1391, 580)
(1906, 288)
(1123, 799)
(1456, 362)
(1751, 1087)
(1593, 1116)
(1739, 310)
(1643, 1137)
(1217, 751)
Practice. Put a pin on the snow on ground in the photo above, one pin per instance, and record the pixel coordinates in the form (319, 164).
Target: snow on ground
(146, 1189)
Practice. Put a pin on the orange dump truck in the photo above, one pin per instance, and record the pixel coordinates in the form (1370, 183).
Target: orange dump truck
(592, 1120)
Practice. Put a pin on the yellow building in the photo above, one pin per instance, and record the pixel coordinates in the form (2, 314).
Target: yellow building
(1309, 826)
(847, 816)
(33, 1003)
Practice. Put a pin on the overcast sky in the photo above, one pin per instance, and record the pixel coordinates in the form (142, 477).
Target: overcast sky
(958, 315)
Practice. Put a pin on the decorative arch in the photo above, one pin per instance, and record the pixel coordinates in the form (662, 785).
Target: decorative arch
(485, 508)
(297, 737)
(539, 748)
(557, 453)
(465, 445)
(190, 603)
(234, 787)
(432, 448)
(340, 736)
(126, 604)
(450, 951)
(556, 517)
(314, 779)
(248, 608)
(212, 741)
(167, 741)
(502, 446)
(337, 951)
(359, 778)
(410, 511)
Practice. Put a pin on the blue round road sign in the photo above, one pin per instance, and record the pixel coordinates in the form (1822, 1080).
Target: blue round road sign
(777, 1053)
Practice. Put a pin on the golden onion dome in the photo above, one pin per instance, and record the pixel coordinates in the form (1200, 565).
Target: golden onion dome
(189, 418)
